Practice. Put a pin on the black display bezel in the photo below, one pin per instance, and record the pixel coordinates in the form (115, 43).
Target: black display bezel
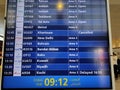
(111, 83)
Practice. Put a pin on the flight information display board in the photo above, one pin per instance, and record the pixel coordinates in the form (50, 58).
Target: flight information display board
(56, 44)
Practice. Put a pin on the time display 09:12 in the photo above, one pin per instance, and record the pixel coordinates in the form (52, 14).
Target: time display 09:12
(52, 82)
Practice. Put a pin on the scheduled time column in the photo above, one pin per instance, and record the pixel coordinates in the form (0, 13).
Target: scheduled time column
(10, 38)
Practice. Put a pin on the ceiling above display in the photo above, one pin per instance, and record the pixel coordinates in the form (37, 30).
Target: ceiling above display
(114, 1)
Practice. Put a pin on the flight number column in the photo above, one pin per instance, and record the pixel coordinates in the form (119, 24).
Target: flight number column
(29, 38)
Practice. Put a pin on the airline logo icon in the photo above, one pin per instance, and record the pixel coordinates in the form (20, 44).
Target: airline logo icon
(19, 19)
(19, 25)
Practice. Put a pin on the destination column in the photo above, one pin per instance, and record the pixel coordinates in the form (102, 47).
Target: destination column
(52, 52)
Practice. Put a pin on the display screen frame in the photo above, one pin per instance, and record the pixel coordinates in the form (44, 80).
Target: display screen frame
(110, 53)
